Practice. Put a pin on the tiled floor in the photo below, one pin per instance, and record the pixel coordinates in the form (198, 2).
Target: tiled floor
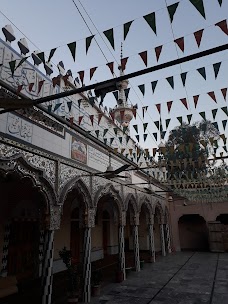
(181, 278)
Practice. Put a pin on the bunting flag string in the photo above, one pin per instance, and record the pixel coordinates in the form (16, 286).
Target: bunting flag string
(92, 71)
(144, 109)
(111, 67)
(52, 52)
(143, 55)
(158, 50)
(72, 48)
(199, 6)
(223, 26)
(142, 88)
(172, 10)
(189, 118)
(183, 77)
(216, 67)
(158, 106)
(145, 127)
(110, 36)
(180, 43)
(212, 95)
(224, 91)
(214, 112)
(202, 72)
(80, 120)
(153, 85)
(136, 128)
(170, 81)
(151, 20)
(184, 101)
(167, 121)
(126, 28)
(123, 63)
(169, 105)
(196, 99)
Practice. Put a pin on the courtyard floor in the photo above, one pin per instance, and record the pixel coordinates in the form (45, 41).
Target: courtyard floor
(180, 278)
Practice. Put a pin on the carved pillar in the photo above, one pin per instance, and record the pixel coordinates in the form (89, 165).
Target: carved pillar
(5, 250)
(136, 242)
(168, 243)
(151, 239)
(162, 237)
(121, 244)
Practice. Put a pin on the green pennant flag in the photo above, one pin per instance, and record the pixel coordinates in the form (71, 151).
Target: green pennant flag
(145, 126)
(151, 20)
(214, 112)
(49, 108)
(41, 56)
(69, 104)
(72, 48)
(142, 88)
(97, 133)
(216, 67)
(144, 137)
(202, 72)
(88, 42)
(136, 128)
(170, 81)
(57, 106)
(111, 140)
(121, 139)
(153, 85)
(155, 136)
(126, 28)
(127, 139)
(203, 115)
(52, 52)
(215, 125)
(105, 131)
(167, 121)
(156, 124)
(172, 10)
(21, 61)
(125, 129)
(220, 2)
(12, 65)
(189, 117)
(115, 130)
(199, 6)
(224, 122)
(137, 137)
(116, 95)
(225, 110)
(105, 141)
(126, 155)
(110, 36)
(183, 77)
(180, 119)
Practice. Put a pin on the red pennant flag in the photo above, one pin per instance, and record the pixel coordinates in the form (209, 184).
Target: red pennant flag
(31, 86)
(184, 101)
(91, 118)
(122, 112)
(169, 105)
(99, 117)
(111, 66)
(158, 50)
(134, 112)
(92, 70)
(212, 95)
(55, 81)
(224, 91)
(123, 63)
(41, 82)
(80, 120)
(81, 75)
(158, 106)
(143, 55)
(65, 79)
(223, 26)
(180, 43)
(19, 88)
(196, 98)
(198, 36)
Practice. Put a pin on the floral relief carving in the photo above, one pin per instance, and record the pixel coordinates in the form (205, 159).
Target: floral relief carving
(55, 217)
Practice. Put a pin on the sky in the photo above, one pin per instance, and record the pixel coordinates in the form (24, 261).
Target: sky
(50, 24)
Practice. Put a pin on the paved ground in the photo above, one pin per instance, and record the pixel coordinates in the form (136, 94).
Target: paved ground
(181, 278)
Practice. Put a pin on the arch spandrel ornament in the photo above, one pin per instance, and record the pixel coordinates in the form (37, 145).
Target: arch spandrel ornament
(131, 199)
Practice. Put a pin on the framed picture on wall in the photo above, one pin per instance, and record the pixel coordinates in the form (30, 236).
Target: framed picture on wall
(78, 150)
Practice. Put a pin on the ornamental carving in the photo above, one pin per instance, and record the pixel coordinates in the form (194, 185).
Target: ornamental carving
(66, 173)
(55, 217)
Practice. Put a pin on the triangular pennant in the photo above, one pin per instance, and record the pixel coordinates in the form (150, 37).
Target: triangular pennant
(183, 77)
(137, 137)
(31, 85)
(79, 103)
(99, 117)
(97, 133)
(199, 6)
(40, 84)
(180, 119)
(158, 50)
(19, 88)
(216, 67)
(214, 112)
(225, 110)
(134, 111)
(212, 95)
(185, 103)
(180, 43)
(198, 36)
(49, 108)
(111, 140)
(80, 119)
(110, 36)
(91, 118)
(125, 129)
(151, 20)
(220, 2)
(223, 26)
(116, 94)
(136, 128)
(155, 136)
(196, 98)
(163, 136)
(170, 81)
(88, 42)
(215, 125)
(115, 130)
(142, 88)
(144, 109)
(41, 56)
(202, 72)
(21, 61)
(127, 139)
(122, 150)
(111, 66)
(120, 139)
(224, 91)
(172, 10)
(126, 91)
(12, 65)
(145, 126)
(203, 115)
(143, 55)
(224, 122)
(225, 148)
(169, 105)
(158, 106)
(81, 75)
(52, 52)
(144, 137)
(71, 119)
(72, 48)
(167, 121)
(105, 141)
(57, 105)
(69, 104)
(115, 150)
(123, 62)
(189, 117)
(92, 100)
(157, 124)
(153, 85)
(92, 70)
(105, 131)
(55, 80)
(126, 28)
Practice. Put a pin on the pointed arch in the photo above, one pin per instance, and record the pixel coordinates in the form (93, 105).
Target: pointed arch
(145, 201)
(132, 200)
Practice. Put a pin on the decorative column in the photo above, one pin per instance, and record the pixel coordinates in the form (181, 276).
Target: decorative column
(168, 243)
(151, 239)
(5, 250)
(162, 237)
(136, 242)
(121, 244)
(89, 223)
